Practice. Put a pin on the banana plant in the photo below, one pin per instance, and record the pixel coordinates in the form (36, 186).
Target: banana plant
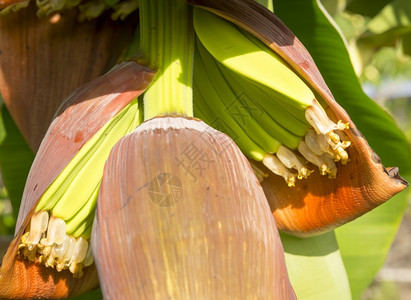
(181, 212)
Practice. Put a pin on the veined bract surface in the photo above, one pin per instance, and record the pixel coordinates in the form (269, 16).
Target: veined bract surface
(190, 216)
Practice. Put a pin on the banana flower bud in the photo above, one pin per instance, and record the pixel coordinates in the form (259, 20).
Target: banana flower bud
(181, 215)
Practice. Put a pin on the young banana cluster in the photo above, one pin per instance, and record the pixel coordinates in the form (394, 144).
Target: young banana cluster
(245, 89)
(61, 225)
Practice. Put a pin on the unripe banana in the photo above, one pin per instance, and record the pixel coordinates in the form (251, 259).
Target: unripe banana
(244, 98)
(205, 93)
(229, 101)
(78, 225)
(83, 174)
(211, 92)
(64, 190)
(244, 59)
(288, 117)
(235, 51)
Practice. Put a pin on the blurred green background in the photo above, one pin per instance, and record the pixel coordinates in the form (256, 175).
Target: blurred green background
(379, 41)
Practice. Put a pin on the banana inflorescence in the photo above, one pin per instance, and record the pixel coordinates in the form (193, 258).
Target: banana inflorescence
(268, 110)
(60, 229)
(240, 87)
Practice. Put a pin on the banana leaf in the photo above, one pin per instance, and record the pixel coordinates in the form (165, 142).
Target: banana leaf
(395, 15)
(15, 158)
(366, 7)
(391, 24)
(315, 267)
(360, 239)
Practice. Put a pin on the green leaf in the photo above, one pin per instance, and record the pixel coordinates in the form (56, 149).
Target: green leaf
(406, 43)
(308, 21)
(365, 242)
(390, 25)
(315, 267)
(367, 8)
(396, 14)
(111, 2)
(266, 3)
(335, 6)
(15, 158)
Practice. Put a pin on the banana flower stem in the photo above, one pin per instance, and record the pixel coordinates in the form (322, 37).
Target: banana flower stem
(167, 45)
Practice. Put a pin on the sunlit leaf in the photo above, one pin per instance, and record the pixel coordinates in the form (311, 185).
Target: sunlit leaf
(315, 267)
(396, 14)
(389, 26)
(335, 6)
(15, 158)
(365, 242)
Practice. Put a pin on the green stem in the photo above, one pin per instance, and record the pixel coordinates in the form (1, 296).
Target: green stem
(167, 45)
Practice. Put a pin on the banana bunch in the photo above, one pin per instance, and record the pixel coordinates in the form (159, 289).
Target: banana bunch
(244, 89)
(60, 227)
(64, 215)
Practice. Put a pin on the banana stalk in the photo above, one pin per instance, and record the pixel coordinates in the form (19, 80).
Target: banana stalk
(316, 203)
(41, 241)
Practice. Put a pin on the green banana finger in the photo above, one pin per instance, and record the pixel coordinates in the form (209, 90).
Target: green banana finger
(85, 227)
(204, 94)
(225, 124)
(232, 105)
(87, 178)
(235, 51)
(273, 97)
(80, 221)
(266, 120)
(291, 119)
